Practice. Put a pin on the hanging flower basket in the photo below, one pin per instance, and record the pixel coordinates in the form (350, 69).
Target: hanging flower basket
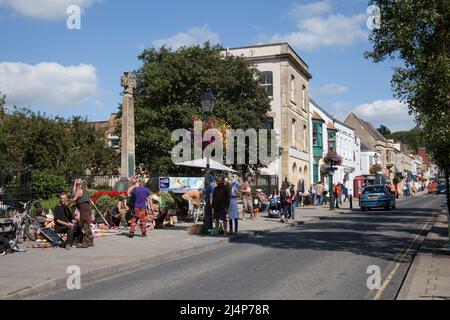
(332, 158)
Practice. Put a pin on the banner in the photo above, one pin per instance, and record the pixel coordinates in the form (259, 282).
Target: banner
(181, 185)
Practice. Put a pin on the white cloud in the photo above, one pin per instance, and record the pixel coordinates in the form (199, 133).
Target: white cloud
(333, 89)
(334, 30)
(310, 9)
(45, 9)
(194, 36)
(47, 84)
(392, 113)
(317, 26)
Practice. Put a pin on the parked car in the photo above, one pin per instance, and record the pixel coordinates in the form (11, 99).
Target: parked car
(442, 189)
(377, 196)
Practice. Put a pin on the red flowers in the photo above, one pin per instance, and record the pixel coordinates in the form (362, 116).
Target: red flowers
(111, 194)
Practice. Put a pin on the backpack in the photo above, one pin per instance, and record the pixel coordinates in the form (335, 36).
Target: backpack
(131, 201)
(115, 211)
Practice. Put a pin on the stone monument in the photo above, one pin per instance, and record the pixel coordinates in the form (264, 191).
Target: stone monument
(128, 160)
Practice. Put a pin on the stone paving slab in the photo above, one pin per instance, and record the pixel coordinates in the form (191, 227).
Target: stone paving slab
(429, 277)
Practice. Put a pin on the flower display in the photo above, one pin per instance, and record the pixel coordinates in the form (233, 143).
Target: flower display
(332, 158)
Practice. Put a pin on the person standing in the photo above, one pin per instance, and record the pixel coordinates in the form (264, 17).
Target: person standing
(313, 193)
(247, 199)
(345, 193)
(319, 193)
(65, 222)
(285, 201)
(233, 213)
(293, 195)
(141, 195)
(83, 213)
(221, 203)
(336, 195)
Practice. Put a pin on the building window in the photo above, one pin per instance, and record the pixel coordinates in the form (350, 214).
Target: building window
(305, 135)
(304, 97)
(293, 133)
(315, 135)
(293, 89)
(113, 141)
(266, 82)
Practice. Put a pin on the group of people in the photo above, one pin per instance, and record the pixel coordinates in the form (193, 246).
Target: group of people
(225, 203)
(76, 225)
(285, 201)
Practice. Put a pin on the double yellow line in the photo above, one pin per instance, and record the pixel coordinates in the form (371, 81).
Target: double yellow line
(388, 280)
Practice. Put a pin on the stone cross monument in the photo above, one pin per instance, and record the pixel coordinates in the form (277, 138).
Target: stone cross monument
(128, 162)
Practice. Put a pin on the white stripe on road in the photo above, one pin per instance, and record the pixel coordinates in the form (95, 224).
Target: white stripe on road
(398, 264)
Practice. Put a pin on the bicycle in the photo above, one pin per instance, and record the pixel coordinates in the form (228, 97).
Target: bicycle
(26, 225)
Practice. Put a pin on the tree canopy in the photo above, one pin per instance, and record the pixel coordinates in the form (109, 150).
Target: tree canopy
(62, 146)
(169, 86)
(418, 34)
(385, 131)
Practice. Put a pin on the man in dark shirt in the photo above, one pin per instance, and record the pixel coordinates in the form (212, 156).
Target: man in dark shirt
(64, 220)
(221, 202)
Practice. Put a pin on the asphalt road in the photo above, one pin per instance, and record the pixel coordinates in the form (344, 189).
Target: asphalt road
(322, 260)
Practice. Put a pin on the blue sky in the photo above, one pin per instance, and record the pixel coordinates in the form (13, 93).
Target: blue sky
(45, 65)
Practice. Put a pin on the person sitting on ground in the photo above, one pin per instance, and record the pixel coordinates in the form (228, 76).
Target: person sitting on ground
(65, 222)
(120, 212)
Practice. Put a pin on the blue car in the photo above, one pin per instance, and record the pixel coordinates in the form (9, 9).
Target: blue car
(377, 196)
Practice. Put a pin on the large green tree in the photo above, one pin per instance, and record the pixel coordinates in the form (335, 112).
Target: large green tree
(169, 86)
(417, 33)
(66, 147)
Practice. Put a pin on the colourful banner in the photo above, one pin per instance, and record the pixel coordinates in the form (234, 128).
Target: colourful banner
(181, 185)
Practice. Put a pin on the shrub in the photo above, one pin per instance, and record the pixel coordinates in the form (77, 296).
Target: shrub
(104, 203)
(45, 185)
(167, 201)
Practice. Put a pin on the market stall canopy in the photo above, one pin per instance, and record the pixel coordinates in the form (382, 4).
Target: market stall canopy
(201, 163)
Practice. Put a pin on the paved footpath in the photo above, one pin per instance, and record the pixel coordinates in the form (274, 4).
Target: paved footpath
(43, 270)
(429, 276)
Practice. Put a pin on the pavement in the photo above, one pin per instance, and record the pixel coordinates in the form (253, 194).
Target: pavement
(429, 276)
(321, 259)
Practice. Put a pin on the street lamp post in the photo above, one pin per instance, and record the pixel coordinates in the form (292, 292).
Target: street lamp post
(330, 150)
(208, 103)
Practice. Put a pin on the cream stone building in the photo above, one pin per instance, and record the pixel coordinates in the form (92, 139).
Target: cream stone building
(285, 77)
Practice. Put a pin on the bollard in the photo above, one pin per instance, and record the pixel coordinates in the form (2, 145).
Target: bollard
(351, 202)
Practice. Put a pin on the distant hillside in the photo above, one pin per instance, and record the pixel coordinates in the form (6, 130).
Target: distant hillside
(412, 139)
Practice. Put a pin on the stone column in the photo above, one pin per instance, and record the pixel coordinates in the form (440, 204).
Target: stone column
(128, 162)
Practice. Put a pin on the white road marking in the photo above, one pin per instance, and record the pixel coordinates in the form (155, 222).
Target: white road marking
(398, 264)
